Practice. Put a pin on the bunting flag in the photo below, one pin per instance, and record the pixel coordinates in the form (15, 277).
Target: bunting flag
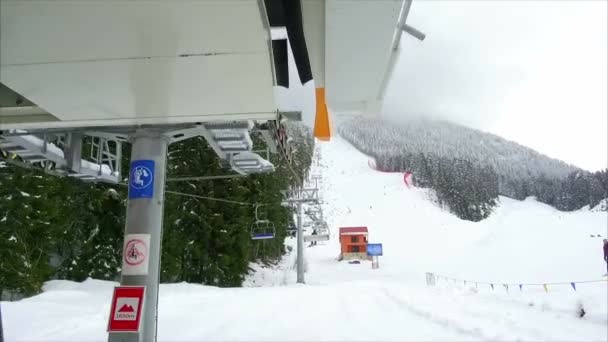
(506, 286)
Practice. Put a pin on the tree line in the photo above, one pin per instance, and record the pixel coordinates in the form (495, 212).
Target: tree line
(468, 169)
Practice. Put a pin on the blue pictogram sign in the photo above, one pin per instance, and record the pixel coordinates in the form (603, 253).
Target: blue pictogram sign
(374, 249)
(141, 179)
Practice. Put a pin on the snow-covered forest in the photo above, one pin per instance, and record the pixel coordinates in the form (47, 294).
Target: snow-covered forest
(468, 168)
(62, 228)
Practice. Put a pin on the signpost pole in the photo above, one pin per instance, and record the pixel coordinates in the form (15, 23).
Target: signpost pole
(300, 196)
(300, 261)
(141, 262)
(374, 250)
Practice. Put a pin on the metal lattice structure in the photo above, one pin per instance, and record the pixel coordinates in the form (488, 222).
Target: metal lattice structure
(62, 152)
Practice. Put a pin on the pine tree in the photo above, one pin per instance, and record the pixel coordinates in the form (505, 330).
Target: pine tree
(89, 242)
(27, 213)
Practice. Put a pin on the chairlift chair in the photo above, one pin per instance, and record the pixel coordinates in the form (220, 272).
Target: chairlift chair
(262, 229)
(322, 232)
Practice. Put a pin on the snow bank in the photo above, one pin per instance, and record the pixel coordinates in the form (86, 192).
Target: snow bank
(521, 242)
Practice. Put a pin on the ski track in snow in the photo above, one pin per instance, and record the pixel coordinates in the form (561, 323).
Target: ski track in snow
(523, 241)
(433, 317)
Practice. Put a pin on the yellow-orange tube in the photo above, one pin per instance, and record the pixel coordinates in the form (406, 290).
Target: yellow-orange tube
(322, 131)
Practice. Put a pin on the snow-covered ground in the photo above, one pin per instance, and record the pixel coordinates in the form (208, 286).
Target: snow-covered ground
(522, 242)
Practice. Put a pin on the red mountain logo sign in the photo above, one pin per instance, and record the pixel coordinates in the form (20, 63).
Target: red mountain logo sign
(126, 308)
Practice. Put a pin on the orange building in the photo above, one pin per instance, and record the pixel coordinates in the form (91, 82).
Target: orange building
(353, 242)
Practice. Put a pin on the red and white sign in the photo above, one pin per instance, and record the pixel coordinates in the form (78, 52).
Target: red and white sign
(127, 305)
(135, 254)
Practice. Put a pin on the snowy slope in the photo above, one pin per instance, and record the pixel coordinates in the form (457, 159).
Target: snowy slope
(522, 242)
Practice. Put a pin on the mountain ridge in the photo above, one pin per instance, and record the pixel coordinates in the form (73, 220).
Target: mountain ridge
(467, 166)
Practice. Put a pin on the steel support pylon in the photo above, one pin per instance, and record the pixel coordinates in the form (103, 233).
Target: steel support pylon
(300, 261)
(145, 216)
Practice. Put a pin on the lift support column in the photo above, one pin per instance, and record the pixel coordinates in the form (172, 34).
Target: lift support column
(300, 259)
(143, 231)
(300, 196)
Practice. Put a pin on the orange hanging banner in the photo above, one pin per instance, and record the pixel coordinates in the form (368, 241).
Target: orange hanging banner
(322, 130)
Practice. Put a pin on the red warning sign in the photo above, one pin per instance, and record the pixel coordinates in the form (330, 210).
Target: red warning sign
(127, 305)
(135, 254)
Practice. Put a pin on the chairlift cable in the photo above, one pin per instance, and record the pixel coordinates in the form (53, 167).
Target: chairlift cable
(207, 198)
(213, 198)
(195, 178)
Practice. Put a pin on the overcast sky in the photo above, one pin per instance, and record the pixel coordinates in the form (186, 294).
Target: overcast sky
(531, 71)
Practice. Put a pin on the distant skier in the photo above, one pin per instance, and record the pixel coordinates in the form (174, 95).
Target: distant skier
(606, 254)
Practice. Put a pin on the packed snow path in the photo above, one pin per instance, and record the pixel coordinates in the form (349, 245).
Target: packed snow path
(521, 242)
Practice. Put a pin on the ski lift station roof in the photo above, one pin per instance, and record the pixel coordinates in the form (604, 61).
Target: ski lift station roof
(353, 231)
(119, 63)
(100, 63)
